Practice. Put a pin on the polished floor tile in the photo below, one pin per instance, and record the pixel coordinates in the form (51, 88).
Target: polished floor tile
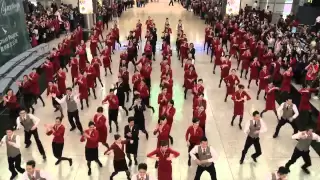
(228, 141)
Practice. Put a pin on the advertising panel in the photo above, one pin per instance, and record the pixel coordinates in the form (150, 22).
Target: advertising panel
(14, 37)
(233, 7)
(86, 6)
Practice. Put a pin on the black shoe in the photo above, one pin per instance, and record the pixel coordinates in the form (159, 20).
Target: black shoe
(275, 136)
(70, 162)
(89, 172)
(21, 171)
(110, 130)
(147, 136)
(241, 162)
(152, 109)
(13, 176)
(130, 163)
(73, 128)
(99, 163)
(189, 162)
(231, 123)
(56, 110)
(156, 165)
(58, 162)
(81, 107)
(254, 158)
(305, 170)
(44, 157)
(240, 127)
(28, 145)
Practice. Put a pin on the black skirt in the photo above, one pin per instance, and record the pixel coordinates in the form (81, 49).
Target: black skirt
(120, 165)
(91, 154)
(132, 148)
(57, 149)
(113, 114)
(121, 98)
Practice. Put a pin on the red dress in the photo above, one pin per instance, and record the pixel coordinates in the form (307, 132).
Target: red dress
(96, 63)
(245, 58)
(305, 99)
(91, 76)
(34, 79)
(101, 127)
(74, 68)
(163, 135)
(82, 58)
(165, 167)
(169, 112)
(189, 78)
(218, 54)
(49, 71)
(106, 60)
(239, 105)
(163, 100)
(254, 70)
(83, 88)
(196, 91)
(271, 98)
(93, 45)
(61, 76)
(232, 81)
(286, 82)
(225, 68)
(263, 79)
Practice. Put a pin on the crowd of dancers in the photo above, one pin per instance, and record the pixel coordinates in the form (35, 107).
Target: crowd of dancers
(254, 59)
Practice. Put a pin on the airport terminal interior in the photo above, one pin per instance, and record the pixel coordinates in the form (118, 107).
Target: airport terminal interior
(228, 141)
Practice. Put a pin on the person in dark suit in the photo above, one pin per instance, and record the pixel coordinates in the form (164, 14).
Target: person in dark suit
(131, 133)
(139, 118)
(121, 89)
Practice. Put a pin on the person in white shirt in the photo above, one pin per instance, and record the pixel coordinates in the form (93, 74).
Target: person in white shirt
(206, 157)
(34, 174)
(179, 25)
(72, 102)
(280, 174)
(253, 128)
(255, 5)
(288, 113)
(142, 174)
(305, 139)
(30, 124)
(12, 142)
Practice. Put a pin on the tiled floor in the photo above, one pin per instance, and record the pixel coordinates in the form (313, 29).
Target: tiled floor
(228, 141)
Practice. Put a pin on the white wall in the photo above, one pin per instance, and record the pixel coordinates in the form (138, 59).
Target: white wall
(249, 2)
(73, 2)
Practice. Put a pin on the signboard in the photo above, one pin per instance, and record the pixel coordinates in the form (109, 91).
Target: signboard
(86, 6)
(14, 37)
(233, 7)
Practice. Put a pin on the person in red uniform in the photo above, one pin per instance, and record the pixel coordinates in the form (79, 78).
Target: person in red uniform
(231, 81)
(225, 68)
(183, 51)
(113, 109)
(270, 99)
(169, 111)
(53, 89)
(312, 71)
(119, 159)
(93, 45)
(35, 88)
(61, 81)
(239, 98)
(163, 99)
(124, 74)
(305, 98)
(167, 70)
(254, 71)
(197, 89)
(144, 93)
(245, 60)
(74, 64)
(242, 48)
(106, 61)
(167, 82)
(83, 89)
(200, 101)
(57, 130)
(81, 52)
(263, 80)
(285, 87)
(10, 102)
(218, 53)
(146, 73)
(96, 63)
(91, 136)
(164, 155)
(200, 113)
(48, 67)
(25, 87)
(193, 136)
(190, 77)
(55, 57)
(136, 79)
(275, 68)
(100, 121)
(148, 50)
(90, 73)
(207, 33)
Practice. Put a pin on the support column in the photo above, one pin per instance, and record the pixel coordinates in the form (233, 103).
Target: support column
(223, 8)
(88, 21)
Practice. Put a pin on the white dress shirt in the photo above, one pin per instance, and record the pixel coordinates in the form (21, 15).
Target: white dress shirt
(64, 98)
(134, 177)
(294, 108)
(42, 174)
(213, 153)
(299, 135)
(35, 120)
(182, 27)
(254, 6)
(16, 145)
(263, 127)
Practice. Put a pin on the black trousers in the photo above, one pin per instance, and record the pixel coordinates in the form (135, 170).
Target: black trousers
(190, 148)
(210, 169)
(296, 155)
(148, 82)
(249, 142)
(171, 2)
(27, 139)
(282, 122)
(76, 122)
(13, 114)
(15, 164)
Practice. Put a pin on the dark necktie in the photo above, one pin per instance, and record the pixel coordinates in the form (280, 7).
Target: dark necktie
(255, 124)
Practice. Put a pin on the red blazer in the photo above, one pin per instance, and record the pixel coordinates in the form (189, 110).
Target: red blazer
(12, 102)
(100, 122)
(143, 90)
(26, 87)
(202, 116)
(93, 140)
(163, 99)
(197, 103)
(58, 134)
(146, 72)
(239, 105)
(112, 100)
(164, 134)
(169, 112)
(34, 78)
(53, 89)
(136, 79)
(194, 136)
(119, 153)
(169, 86)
